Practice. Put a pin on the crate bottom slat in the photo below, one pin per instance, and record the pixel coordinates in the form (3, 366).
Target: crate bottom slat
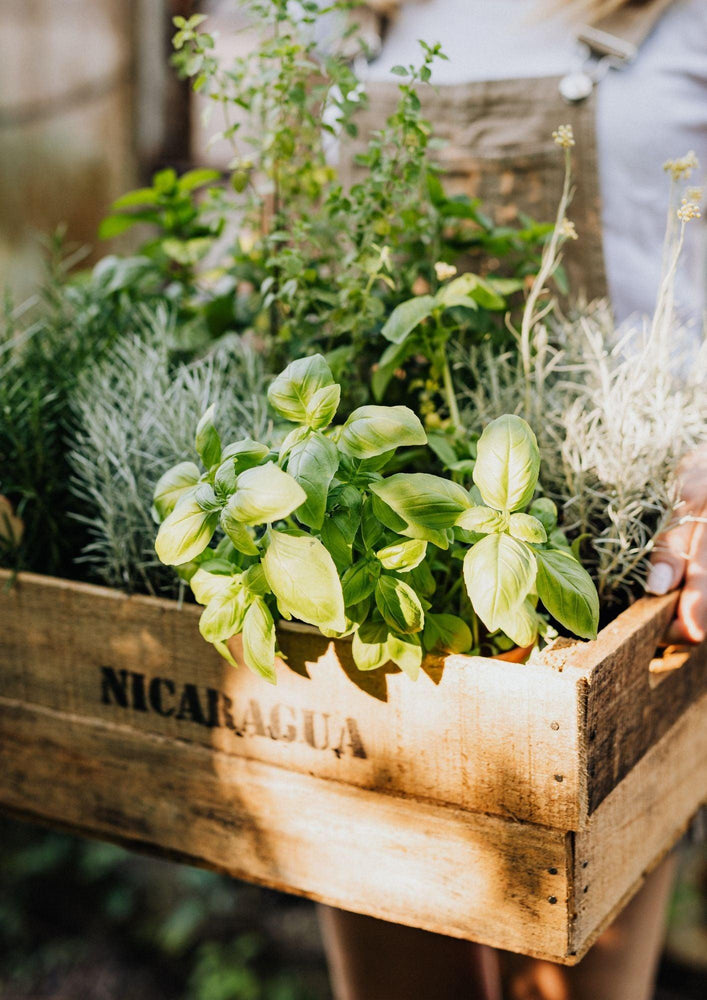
(510, 884)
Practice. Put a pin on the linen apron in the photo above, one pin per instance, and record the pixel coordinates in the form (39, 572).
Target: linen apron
(498, 137)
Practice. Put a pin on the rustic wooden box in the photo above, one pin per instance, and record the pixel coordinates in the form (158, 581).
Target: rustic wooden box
(519, 805)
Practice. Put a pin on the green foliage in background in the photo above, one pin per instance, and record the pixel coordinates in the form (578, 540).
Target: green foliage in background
(89, 920)
(329, 251)
(45, 346)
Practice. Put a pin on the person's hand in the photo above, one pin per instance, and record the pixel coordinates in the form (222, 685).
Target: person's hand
(680, 553)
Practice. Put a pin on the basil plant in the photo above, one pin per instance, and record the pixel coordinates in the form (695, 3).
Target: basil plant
(404, 564)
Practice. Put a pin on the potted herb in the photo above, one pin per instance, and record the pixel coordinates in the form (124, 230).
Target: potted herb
(402, 563)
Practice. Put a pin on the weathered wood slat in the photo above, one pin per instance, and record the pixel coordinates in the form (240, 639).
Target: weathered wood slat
(477, 733)
(543, 742)
(638, 823)
(412, 862)
(513, 885)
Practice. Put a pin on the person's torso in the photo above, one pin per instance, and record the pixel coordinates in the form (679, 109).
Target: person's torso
(496, 102)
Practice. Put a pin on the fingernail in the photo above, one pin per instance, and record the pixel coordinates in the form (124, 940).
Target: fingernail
(660, 578)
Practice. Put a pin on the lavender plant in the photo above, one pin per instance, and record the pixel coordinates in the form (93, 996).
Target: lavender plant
(132, 414)
(614, 408)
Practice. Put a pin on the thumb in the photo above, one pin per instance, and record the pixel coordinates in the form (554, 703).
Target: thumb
(670, 555)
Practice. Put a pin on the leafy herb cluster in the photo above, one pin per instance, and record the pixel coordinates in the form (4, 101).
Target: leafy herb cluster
(317, 532)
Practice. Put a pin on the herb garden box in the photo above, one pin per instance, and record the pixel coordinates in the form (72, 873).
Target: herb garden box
(519, 805)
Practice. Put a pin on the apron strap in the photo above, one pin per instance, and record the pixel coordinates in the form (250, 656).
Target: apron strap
(621, 34)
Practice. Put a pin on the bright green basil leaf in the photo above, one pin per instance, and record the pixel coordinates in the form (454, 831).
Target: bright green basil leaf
(207, 499)
(342, 523)
(225, 652)
(422, 581)
(172, 485)
(520, 624)
(527, 528)
(294, 437)
(265, 494)
(245, 454)
(236, 531)
(254, 581)
(208, 442)
(223, 615)
(370, 646)
(507, 463)
(206, 585)
(225, 479)
(399, 605)
(372, 527)
(356, 614)
(427, 504)
(185, 532)
(442, 447)
(259, 640)
(334, 533)
(567, 591)
(293, 390)
(558, 540)
(323, 405)
(303, 578)
(217, 560)
(386, 515)
(482, 520)
(313, 463)
(546, 512)
(498, 572)
(406, 652)
(374, 464)
(359, 582)
(446, 634)
(405, 317)
(373, 430)
(403, 556)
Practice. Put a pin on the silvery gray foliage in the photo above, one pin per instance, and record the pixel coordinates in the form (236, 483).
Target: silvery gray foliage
(135, 416)
(613, 410)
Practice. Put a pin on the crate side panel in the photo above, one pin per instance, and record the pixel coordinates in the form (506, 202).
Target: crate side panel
(430, 866)
(626, 714)
(487, 736)
(638, 823)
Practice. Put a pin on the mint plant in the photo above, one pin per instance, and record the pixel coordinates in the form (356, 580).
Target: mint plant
(401, 563)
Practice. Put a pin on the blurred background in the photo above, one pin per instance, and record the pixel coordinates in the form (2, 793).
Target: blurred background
(89, 107)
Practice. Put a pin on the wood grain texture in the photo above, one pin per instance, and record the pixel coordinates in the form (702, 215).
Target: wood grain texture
(627, 713)
(429, 866)
(543, 742)
(484, 735)
(513, 885)
(638, 823)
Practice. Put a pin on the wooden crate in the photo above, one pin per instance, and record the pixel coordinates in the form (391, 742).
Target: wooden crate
(519, 805)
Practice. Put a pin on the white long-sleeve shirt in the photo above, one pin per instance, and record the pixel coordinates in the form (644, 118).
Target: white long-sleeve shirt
(653, 110)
